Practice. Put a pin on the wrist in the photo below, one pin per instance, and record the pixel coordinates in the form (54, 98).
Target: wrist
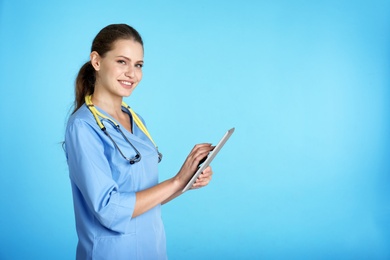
(178, 183)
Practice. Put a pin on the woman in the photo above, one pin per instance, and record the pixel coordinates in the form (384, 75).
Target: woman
(113, 160)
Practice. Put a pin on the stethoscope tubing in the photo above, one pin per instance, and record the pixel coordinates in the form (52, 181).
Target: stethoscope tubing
(133, 160)
(96, 114)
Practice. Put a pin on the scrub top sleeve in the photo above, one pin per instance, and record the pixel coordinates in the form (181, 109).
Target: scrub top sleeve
(90, 171)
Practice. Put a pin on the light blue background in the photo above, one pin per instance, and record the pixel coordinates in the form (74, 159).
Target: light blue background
(306, 84)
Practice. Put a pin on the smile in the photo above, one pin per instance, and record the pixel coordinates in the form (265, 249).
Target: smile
(127, 83)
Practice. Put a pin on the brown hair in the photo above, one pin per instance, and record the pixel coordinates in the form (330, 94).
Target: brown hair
(103, 42)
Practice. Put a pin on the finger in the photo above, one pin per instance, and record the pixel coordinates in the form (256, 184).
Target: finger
(204, 177)
(198, 155)
(202, 147)
(201, 183)
(207, 171)
(200, 152)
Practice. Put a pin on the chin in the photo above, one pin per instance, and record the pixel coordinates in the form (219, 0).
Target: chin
(127, 93)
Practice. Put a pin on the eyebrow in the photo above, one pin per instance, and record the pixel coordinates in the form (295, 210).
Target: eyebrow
(126, 58)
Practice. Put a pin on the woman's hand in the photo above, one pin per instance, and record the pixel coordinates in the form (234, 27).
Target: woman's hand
(191, 164)
(203, 179)
(197, 155)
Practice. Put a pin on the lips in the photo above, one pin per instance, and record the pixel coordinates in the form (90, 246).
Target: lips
(126, 84)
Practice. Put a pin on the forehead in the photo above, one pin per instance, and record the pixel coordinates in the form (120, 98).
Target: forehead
(128, 48)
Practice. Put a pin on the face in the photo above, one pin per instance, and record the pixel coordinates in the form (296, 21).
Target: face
(120, 70)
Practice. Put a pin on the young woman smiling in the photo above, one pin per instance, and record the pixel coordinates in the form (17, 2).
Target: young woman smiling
(113, 160)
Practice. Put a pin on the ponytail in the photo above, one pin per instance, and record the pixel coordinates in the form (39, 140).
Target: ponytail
(85, 84)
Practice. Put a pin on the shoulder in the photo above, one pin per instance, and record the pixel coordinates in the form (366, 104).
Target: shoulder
(82, 118)
(83, 131)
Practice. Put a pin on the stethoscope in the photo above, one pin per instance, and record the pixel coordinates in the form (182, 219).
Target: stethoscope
(96, 114)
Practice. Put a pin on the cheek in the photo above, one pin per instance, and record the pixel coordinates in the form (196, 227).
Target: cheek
(139, 75)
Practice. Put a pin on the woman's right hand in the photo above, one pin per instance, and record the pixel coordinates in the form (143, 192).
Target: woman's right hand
(191, 164)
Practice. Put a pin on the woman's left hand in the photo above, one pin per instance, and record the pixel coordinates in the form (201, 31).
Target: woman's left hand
(203, 179)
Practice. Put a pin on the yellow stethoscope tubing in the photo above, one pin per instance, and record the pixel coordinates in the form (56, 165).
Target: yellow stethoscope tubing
(136, 119)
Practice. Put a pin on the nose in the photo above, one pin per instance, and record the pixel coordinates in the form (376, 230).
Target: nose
(130, 72)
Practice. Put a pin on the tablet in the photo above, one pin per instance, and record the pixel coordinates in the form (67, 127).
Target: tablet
(208, 160)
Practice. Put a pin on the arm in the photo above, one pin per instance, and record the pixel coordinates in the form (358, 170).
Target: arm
(91, 173)
(202, 181)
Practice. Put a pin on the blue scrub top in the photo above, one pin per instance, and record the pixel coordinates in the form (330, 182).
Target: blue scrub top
(104, 186)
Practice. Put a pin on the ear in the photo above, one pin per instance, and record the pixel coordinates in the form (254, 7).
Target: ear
(95, 60)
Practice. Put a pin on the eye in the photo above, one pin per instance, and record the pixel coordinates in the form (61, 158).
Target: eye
(139, 65)
(123, 62)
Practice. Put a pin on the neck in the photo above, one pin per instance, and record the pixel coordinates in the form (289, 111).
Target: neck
(112, 105)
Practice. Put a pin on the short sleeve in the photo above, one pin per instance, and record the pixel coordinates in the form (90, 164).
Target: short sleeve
(90, 172)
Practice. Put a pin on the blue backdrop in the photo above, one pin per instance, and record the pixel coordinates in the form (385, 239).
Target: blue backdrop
(306, 84)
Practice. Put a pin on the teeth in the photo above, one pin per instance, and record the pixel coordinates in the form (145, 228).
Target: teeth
(127, 83)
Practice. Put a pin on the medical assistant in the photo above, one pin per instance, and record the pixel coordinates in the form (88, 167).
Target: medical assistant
(104, 186)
